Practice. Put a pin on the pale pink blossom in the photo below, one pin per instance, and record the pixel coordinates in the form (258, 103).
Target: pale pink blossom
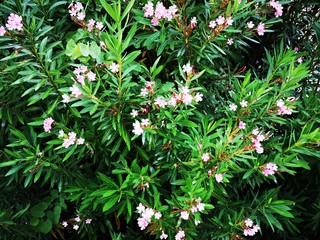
(148, 9)
(14, 22)
(184, 215)
(218, 177)
(230, 41)
(233, 107)
(220, 20)
(198, 97)
(88, 220)
(144, 92)
(75, 91)
(99, 25)
(255, 131)
(163, 235)
(187, 68)
(61, 133)
(269, 169)
(248, 222)
(66, 98)
(180, 235)
(160, 102)
(242, 125)
(196, 222)
(81, 16)
(160, 11)
(250, 24)
(143, 223)
(47, 124)
(114, 67)
(77, 219)
(134, 113)
(244, 103)
(187, 99)
(76, 227)
(300, 60)
(193, 21)
(2, 31)
(172, 101)
(212, 24)
(193, 209)
(145, 122)
(205, 157)
(229, 20)
(80, 141)
(141, 208)
(278, 7)
(78, 6)
(137, 129)
(72, 136)
(157, 215)
(261, 29)
(155, 21)
(91, 76)
(200, 206)
(64, 223)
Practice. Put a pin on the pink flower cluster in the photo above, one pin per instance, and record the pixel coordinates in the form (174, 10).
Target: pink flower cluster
(206, 157)
(180, 235)
(47, 124)
(77, 11)
(75, 222)
(243, 104)
(283, 109)
(250, 229)
(277, 6)
(221, 21)
(261, 29)
(70, 139)
(83, 73)
(138, 127)
(257, 139)
(146, 214)
(269, 169)
(14, 22)
(92, 23)
(159, 12)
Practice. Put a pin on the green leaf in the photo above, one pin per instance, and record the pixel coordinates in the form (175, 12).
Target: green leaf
(38, 210)
(187, 123)
(45, 227)
(110, 203)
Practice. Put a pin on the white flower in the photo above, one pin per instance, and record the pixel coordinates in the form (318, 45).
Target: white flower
(114, 67)
(243, 103)
(187, 68)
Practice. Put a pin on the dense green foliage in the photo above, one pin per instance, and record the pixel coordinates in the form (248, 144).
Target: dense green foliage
(202, 95)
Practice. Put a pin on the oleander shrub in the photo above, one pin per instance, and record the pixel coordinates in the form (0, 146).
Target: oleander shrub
(159, 120)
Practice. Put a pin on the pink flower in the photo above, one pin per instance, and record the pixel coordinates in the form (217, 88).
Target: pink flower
(81, 16)
(61, 133)
(47, 124)
(218, 177)
(145, 122)
(75, 91)
(180, 235)
(76, 227)
(187, 68)
(91, 76)
(77, 219)
(233, 107)
(137, 130)
(160, 11)
(144, 92)
(230, 41)
(277, 6)
(255, 131)
(80, 141)
(205, 157)
(2, 31)
(198, 97)
(143, 223)
(193, 21)
(229, 20)
(163, 235)
(220, 20)
(160, 102)
(88, 220)
(148, 9)
(184, 215)
(157, 215)
(269, 169)
(250, 24)
(67, 142)
(141, 208)
(114, 67)
(248, 222)
(134, 113)
(78, 6)
(186, 99)
(242, 125)
(99, 25)
(200, 206)
(196, 222)
(261, 29)
(72, 136)
(243, 103)
(64, 223)
(66, 98)
(155, 21)
(14, 22)
(193, 209)
(212, 24)
(299, 60)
